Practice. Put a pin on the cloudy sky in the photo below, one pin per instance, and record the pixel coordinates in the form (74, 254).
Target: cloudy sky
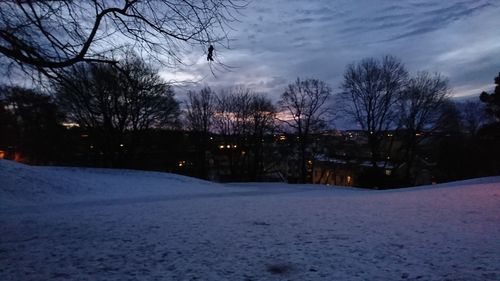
(279, 40)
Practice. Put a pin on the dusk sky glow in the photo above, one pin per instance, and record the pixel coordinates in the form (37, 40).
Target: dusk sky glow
(277, 41)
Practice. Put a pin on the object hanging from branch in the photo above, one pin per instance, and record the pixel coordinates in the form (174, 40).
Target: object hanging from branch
(210, 53)
(46, 36)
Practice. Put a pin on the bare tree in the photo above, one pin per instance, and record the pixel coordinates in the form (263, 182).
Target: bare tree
(244, 118)
(473, 115)
(261, 122)
(421, 101)
(108, 101)
(49, 35)
(371, 89)
(233, 111)
(420, 108)
(232, 123)
(449, 118)
(304, 103)
(150, 100)
(200, 112)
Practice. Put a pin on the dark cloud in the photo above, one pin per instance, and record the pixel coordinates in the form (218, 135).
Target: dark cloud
(439, 18)
(277, 41)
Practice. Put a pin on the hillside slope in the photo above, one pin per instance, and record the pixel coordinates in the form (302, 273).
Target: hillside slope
(98, 224)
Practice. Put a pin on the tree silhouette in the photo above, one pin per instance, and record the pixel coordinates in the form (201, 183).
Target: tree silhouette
(109, 101)
(49, 35)
(31, 124)
(419, 109)
(492, 100)
(371, 90)
(200, 110)
(305, 105)
(473, 116)
(231, 121)
(262, 122)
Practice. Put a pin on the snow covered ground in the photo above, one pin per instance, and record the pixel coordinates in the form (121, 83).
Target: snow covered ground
(98, 224)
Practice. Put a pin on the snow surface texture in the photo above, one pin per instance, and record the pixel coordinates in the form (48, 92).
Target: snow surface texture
(97, 224)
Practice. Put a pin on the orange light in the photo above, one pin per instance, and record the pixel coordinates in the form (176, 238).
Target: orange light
(2, 154)
(18, 157)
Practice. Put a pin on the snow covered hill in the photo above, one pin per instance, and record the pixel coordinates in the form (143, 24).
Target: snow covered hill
(21, 184)
(99, 224)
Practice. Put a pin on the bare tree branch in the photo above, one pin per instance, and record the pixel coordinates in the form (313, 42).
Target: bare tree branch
(50, 35)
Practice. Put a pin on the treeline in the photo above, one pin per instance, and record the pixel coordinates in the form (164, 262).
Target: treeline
(126, 116)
